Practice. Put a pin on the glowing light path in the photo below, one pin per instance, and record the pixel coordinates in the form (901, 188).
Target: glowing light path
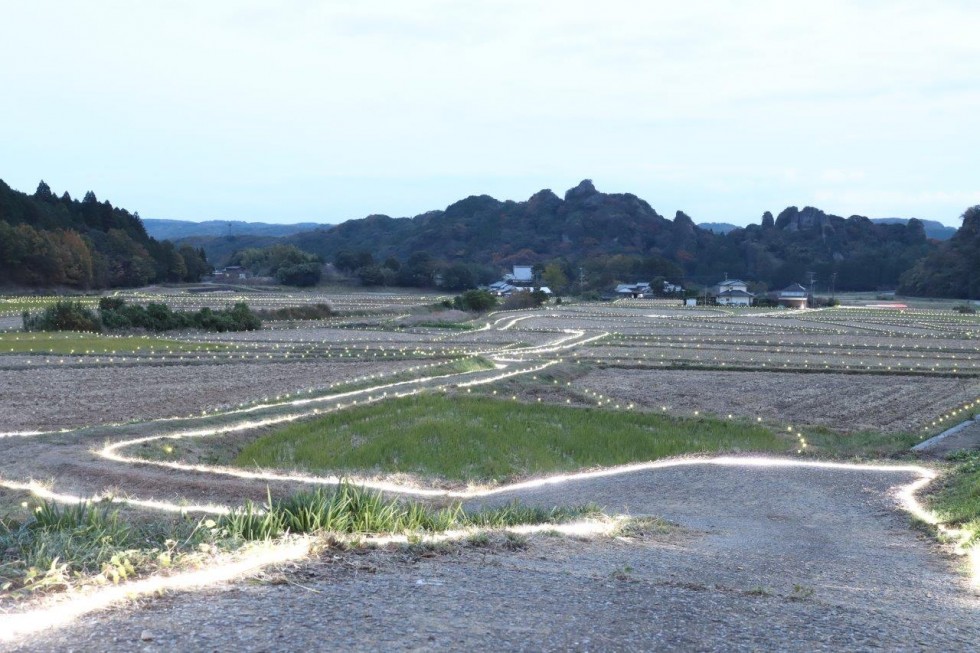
(63, 611)
(510, 362)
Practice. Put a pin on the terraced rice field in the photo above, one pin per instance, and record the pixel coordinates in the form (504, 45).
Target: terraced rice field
(93, 421)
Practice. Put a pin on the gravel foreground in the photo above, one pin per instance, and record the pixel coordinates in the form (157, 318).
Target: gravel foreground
(791, 559)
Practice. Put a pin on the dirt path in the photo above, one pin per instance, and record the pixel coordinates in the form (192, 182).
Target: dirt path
(785, 558)
(764, 558)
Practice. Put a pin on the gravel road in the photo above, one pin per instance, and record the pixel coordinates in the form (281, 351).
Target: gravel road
(794, 559)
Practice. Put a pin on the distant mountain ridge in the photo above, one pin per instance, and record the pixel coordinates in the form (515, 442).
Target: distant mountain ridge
(180, 229)
(611, 236)
(934, 229)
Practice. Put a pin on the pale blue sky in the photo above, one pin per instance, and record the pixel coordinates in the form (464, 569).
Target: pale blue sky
(319, 111)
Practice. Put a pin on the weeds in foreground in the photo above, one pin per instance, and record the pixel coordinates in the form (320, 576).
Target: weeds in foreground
(346, 509)
(956, 500)
(55, 547)
(351, 509)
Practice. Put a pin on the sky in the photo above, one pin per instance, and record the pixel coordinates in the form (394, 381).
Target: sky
(300, 110)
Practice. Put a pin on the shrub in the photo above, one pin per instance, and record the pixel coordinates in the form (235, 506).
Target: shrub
(63, 316)
(965, 309)
(479, 301)
(159, 317)
(301, 274)
(520, 300)
(111, 303)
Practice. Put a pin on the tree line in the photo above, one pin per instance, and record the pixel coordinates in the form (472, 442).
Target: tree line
(598, 239)
(52, 241)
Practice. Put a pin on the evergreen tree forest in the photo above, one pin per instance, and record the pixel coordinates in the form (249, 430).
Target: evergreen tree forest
(50, 241)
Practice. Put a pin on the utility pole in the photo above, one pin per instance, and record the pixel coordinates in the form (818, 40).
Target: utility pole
(581, 280)
(833, 281)
(810, 289)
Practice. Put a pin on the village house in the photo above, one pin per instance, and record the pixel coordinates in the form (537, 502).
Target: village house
(641, 290)
(520, 280)
(794, 296)
(522, 274)
(732, 292)
(637, 290)
(231, 272)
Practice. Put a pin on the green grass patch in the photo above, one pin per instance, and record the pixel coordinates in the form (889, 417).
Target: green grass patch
(957, 499)
(354, 510)
(71, 342)
(825, 442)
(439, 324)
(17, 305)
(481, 439)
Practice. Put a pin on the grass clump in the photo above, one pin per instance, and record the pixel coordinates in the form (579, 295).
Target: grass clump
(475, 439)
(65, 315)
(516, 513)
(346, 509)
(957, 500)
(57, 546)
(58, 543)
(354, 510)
(442, 324)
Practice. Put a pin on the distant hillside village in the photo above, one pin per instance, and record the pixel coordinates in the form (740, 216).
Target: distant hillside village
(730, 292)
(735, 292)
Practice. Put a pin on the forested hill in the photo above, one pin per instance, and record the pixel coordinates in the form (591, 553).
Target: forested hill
(953, 269)
(47, 240)
(484, 230)
(621, 237)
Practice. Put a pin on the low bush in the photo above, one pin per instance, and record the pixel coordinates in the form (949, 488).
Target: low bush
(116, 314)
(63, 316)
(519, 300)
(478, 301)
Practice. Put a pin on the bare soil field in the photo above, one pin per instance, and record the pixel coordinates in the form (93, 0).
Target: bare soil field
(839, 401)
(55, 398)
(765, 555)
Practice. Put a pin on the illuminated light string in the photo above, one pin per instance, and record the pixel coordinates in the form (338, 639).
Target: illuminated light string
(388, 487)
(41, 491)
(64, 611)
(267, 405)
(112, 452)
(571, 339)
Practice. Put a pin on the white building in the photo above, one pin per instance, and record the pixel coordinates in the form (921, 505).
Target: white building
(523, 274)
(732, 292)
(731, 284)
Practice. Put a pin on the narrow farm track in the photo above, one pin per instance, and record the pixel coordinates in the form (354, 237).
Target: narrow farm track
(765, 553)
(776, 558)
